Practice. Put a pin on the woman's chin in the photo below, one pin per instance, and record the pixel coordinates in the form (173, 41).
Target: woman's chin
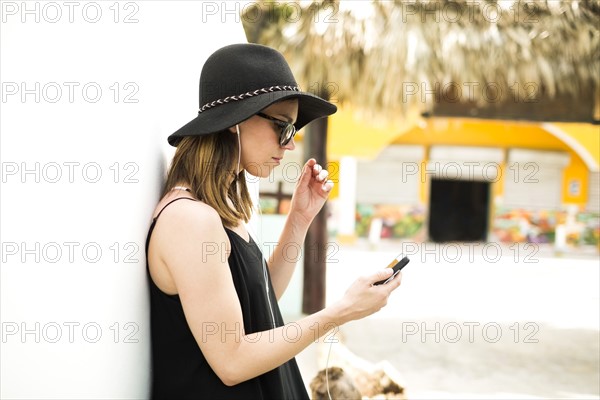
(264, 171)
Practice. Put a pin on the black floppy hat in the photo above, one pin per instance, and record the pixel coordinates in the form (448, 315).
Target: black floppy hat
(239, 80)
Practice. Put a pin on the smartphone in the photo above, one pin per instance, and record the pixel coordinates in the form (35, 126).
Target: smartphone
(397, 264)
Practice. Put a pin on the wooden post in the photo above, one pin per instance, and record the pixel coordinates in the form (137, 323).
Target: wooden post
(596, 116)
(315, 245)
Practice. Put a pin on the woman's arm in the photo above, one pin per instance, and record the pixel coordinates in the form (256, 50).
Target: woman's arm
(261, 352)
(310, 194)
(194, 246)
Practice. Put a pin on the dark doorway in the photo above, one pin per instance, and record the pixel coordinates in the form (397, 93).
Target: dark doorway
(458, 210)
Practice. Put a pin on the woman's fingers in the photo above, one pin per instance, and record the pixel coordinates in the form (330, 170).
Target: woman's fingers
(316, 168)
(379, 275)
(307, 172)
(322, 176)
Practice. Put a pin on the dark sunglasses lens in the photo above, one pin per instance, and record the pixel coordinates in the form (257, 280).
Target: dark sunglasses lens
(287, 133)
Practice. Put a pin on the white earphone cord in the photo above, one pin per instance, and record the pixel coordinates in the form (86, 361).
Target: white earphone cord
(265, 275)
(327, 368)
(259, 241)
(237, 170)
(259, 209)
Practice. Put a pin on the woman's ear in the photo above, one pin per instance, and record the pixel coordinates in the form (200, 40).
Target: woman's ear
(232, 129)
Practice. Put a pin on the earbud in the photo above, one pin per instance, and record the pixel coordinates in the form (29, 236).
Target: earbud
(237, 170)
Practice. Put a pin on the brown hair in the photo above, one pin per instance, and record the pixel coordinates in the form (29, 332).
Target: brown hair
(207, 164)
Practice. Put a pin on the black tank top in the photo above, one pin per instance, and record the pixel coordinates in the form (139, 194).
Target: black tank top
(179, 369)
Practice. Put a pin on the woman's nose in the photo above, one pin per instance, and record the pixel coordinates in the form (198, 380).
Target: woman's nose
(291, 145)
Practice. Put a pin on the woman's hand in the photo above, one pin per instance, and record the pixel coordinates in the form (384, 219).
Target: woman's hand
(311, 192)
(362, 298)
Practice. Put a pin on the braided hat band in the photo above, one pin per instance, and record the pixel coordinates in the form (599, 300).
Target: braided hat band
(247, 94)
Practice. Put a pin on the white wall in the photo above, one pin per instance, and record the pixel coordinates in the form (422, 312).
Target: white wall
(74, 321)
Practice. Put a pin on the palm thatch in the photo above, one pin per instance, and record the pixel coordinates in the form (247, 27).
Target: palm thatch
(375, 54)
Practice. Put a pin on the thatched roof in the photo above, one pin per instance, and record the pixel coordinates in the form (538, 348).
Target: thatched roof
(376, 53)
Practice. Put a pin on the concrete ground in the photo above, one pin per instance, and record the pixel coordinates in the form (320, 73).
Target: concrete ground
(511, 325)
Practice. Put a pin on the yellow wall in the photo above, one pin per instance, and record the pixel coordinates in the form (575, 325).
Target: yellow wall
(576, 171)
(587, 135)
(350, 134)
(333, 167)
(466, 132)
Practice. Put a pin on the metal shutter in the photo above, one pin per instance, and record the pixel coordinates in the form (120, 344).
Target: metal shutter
(533, 179)
(392, 178)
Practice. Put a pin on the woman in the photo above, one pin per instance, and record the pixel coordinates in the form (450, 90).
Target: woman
(216, 328)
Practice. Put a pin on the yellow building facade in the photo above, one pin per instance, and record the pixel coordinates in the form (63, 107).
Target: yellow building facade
(534, 182)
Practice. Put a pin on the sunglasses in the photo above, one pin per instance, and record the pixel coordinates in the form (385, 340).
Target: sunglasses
(287, 130)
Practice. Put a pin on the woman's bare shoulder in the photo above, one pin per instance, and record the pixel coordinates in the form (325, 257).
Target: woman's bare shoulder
(182, 234)
(192, 217)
